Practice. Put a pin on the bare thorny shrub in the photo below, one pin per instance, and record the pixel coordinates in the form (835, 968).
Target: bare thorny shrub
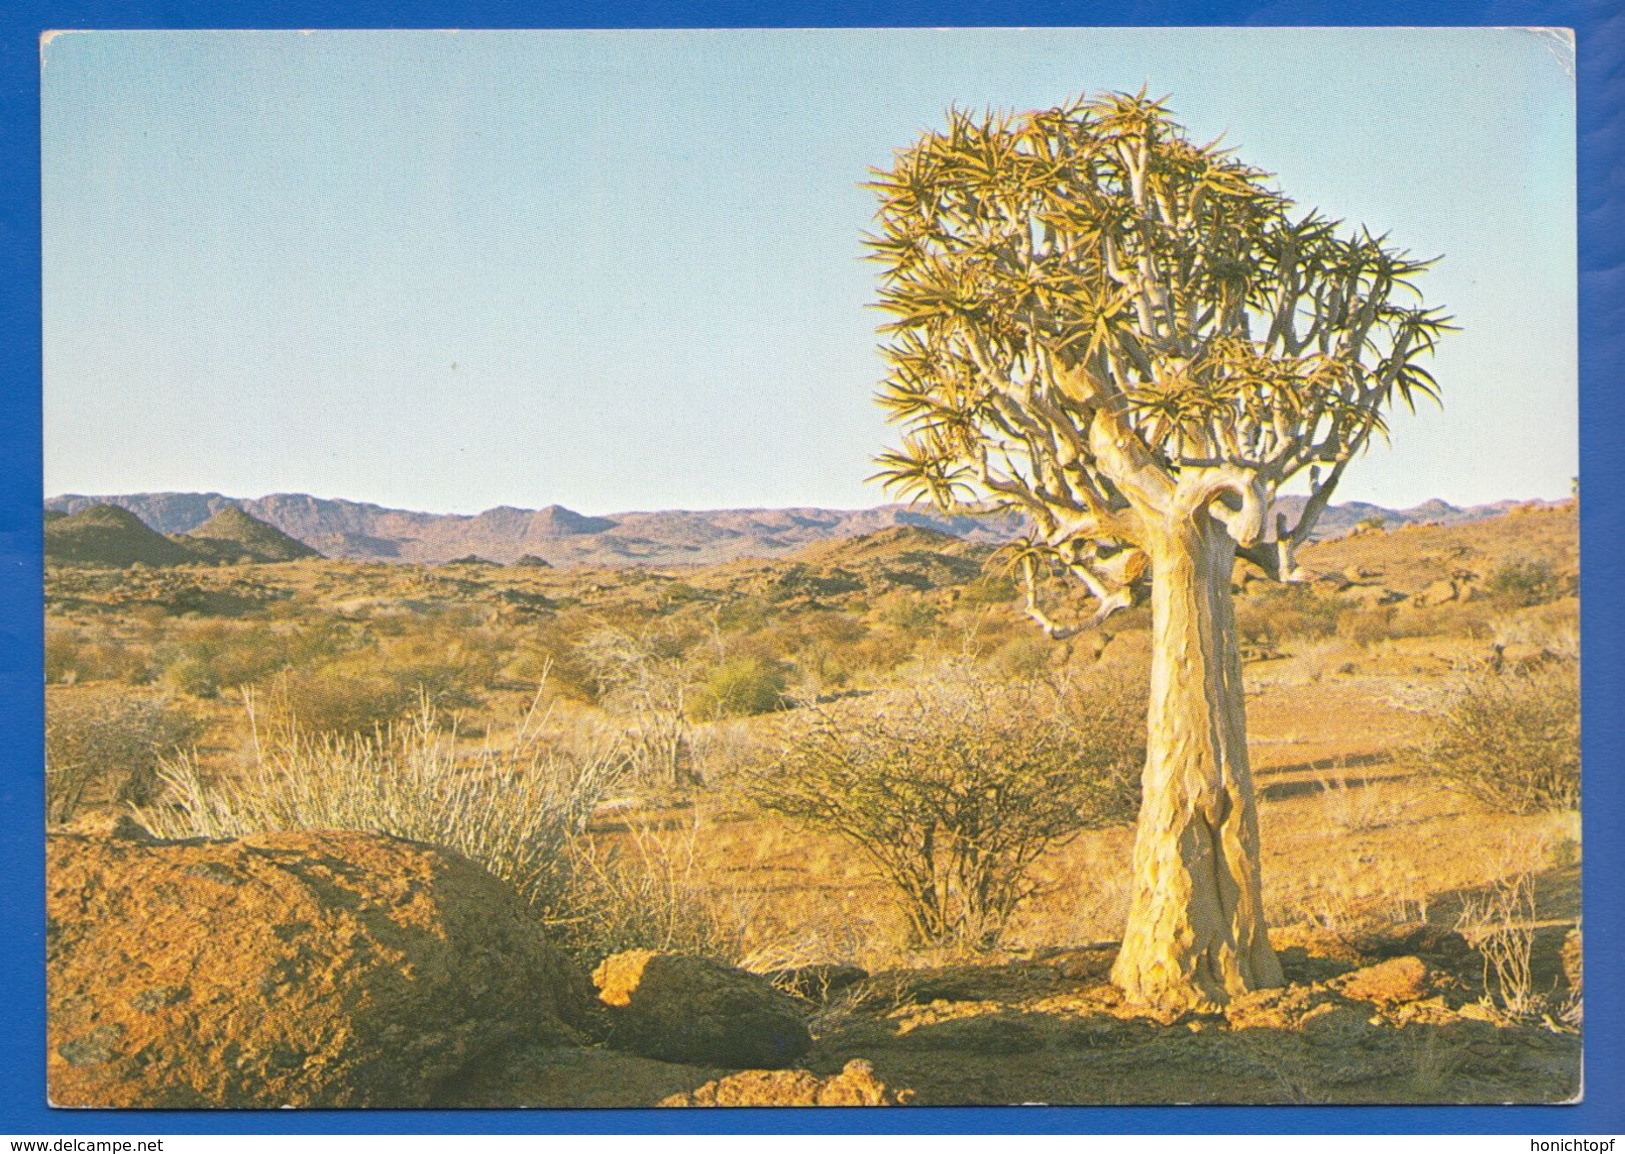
(1500, 925)
(110, 743)
(643, 676)
(514, 810)
(952, 791)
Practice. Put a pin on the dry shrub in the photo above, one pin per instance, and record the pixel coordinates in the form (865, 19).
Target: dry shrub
(512, 810)
(1521, 583)
(108, 743)
(642, 677)
(952, 791)
(71, 658)
(1512, 739)
(1501, 926)
(646, 890)
(1287, 611)
(1366, 626)
(337, 701)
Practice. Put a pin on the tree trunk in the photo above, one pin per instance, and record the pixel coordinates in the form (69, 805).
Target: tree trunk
(1196, 934)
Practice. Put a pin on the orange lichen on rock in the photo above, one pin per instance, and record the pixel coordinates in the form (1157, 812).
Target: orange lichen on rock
(295, 969)
(855, 1085)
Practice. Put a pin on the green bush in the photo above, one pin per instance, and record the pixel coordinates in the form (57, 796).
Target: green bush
(740, 687)
(205, 661)
(910, 614)
(1512, 739)
(1520, 583)
(989, 589)
(953, 792)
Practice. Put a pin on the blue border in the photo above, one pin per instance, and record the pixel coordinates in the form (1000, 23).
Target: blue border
(1601, 82)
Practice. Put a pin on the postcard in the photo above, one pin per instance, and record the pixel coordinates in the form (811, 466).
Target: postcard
(845, 567)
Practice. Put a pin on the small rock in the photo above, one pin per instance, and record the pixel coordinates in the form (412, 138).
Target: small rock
(856, 1085)
(1282, 1008)
(679, 1008)
(1387, 983)
(1431, 943)
(1373, 596)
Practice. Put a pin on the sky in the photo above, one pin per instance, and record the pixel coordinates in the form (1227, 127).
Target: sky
(624, 270)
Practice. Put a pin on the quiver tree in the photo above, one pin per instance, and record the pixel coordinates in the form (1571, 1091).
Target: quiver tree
(1134, 340)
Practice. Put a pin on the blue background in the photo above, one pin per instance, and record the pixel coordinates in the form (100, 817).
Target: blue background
(1600, 30)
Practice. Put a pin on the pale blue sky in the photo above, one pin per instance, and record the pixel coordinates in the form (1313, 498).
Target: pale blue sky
(623, 270)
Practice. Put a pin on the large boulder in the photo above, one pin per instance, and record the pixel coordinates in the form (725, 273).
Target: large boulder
(679, 1008)
(295, 969)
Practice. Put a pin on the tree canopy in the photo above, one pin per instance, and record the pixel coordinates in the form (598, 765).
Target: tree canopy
(1100, 323)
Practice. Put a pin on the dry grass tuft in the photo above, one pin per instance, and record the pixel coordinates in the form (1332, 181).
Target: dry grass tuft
(512, 810)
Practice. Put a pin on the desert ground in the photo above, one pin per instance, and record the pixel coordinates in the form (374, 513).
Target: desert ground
(618, 746)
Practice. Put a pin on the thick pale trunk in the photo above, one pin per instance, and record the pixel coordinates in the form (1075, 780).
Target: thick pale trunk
(1196, 933)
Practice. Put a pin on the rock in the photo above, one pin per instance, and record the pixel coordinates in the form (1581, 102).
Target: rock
(1387, 983)
(817, 983)
(1438, 593)
(679, 1008)
(297, 969)
(1373, 596)
(1281, 1008)
(856, 1085)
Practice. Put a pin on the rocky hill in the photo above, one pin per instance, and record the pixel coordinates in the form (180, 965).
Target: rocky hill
(113, 537)
(108, 536)
(233, 535)
(562, 536)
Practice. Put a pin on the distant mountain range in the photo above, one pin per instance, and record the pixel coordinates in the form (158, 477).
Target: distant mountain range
(561, 536)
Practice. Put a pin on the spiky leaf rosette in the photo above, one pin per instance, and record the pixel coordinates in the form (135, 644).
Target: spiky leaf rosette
(1095, 318)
